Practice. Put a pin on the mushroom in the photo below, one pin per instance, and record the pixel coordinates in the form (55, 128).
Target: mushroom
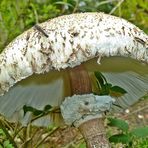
(64, 52)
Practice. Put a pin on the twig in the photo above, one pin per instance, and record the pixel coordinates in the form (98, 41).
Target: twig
(118, 5)
(7, 123)
(37, 27)
(25, 143)
(38, 144)
(8, 135)
(35, 133)
(27, 136)
(16, 133)
(53, 110)
(129, 114)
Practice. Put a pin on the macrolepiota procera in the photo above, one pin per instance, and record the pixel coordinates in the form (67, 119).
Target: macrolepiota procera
(67, 48)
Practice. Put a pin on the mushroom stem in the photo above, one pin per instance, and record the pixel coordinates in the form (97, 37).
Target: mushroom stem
(94, 134)
(92, 130)
(80, 81)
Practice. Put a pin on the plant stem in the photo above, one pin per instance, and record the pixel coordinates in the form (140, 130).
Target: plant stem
(27, 131)
(117, 6)
(40, 142)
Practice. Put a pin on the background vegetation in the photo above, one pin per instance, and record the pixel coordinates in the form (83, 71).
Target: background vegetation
(19, 15)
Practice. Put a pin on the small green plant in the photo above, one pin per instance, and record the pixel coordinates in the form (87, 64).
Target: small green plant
(136, 138)
(4, 142)
(106, 88)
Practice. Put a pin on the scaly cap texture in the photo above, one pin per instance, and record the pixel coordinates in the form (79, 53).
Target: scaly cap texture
(68, 41)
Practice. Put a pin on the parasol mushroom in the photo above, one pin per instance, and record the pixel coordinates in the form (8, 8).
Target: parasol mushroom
(91, 41)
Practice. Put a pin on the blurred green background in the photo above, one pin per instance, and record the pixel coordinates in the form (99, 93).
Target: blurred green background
(19, 15)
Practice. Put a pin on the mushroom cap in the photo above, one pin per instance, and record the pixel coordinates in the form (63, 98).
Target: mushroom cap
(68, 41)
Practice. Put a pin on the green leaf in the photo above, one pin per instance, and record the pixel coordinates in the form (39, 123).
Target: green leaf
(2, 132)
(63, 3)
(47, 108)
(117, 91)
(82, 145)
(120, 138)
(140, 132)
(141, 143)
(99, 77)
(35, 111)
(51, 127)
(7, 144)
(105, 89)
(120, 124)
